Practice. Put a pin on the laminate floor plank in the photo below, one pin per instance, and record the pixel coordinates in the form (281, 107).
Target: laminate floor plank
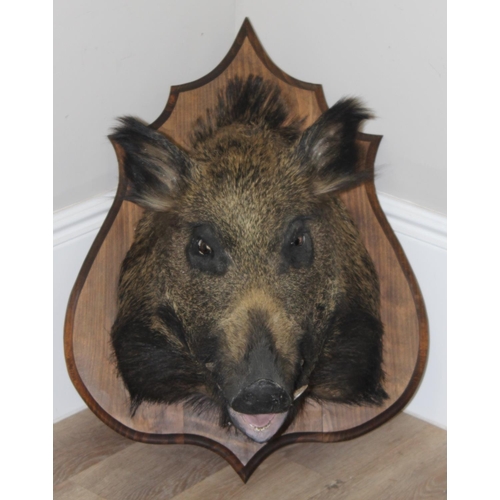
(405, 459)
(345, 458)
(71, 491)
(412, 470)
(275, 478)
(81, 441)
(147, 471)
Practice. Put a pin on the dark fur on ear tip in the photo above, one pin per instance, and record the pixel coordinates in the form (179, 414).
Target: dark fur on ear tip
(132, 132)
(351, 108)
(328, 151)
(152, 163)
(341, 122)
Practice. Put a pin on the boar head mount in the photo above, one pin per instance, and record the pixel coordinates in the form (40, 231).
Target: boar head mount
(247, 288)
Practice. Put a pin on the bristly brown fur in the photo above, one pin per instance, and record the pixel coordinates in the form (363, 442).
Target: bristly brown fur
(254, 102)
(246, 267)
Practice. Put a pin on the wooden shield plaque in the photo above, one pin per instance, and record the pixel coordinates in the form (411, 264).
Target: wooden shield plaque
(93, 304)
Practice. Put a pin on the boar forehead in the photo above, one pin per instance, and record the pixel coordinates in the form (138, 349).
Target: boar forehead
(247, 185)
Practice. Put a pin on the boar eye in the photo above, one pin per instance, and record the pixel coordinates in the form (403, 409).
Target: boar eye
(297, 250)
(205, 251)
(203, 248)
(299, 240)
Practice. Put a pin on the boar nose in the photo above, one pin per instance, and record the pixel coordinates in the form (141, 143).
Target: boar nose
(262, 396)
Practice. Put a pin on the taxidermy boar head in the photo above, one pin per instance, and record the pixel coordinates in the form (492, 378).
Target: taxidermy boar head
(247, 288)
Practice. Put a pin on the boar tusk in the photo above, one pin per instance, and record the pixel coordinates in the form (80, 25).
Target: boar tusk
(299, 391)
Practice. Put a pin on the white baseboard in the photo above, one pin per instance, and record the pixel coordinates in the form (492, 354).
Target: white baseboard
(414, 221)
(421, 232)
(82, 218)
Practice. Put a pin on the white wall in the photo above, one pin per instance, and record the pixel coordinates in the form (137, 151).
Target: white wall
(116, 57)
(392, 54)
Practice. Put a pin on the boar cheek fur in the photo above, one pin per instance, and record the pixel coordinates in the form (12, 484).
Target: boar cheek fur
(182, 332)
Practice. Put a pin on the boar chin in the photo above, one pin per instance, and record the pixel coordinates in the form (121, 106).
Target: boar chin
(259, 428)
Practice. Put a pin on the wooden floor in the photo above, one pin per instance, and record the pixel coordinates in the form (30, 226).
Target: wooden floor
(404, 459)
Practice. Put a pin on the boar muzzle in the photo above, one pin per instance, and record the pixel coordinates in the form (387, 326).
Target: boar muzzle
(263, 396)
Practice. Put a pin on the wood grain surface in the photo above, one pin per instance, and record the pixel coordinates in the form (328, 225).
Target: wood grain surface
(92, 305)
(402, 460)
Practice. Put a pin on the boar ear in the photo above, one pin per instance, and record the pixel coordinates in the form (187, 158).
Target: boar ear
(155, 167)
(327, 149)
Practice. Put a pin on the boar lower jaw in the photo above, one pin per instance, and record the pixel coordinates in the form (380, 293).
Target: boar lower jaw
(259, 428)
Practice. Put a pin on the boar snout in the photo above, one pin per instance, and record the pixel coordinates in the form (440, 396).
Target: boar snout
(263, 396)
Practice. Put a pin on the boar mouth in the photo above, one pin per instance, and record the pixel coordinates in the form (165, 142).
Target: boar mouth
(259, 428)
